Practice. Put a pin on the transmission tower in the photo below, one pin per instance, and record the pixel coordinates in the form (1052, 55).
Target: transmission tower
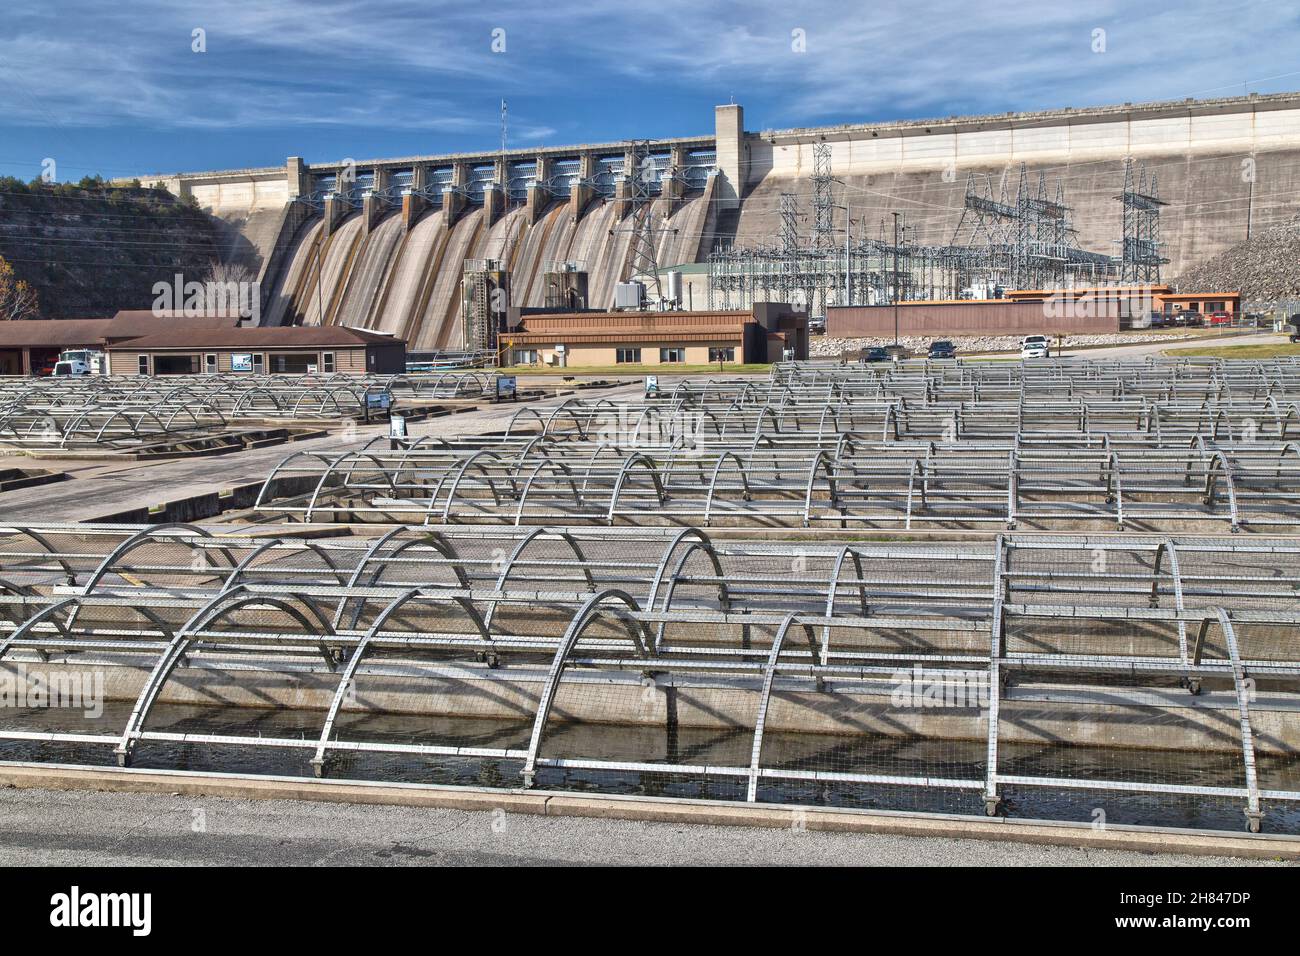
(823, 200)
(643, 256)
(1141, 260)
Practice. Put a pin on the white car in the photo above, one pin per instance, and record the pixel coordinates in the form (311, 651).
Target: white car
(1035, 346)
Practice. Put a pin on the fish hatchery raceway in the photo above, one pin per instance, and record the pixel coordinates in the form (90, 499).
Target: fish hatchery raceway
(986, 596)
(993, 597)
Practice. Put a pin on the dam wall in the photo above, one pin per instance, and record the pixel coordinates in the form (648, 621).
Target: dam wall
(380, 244)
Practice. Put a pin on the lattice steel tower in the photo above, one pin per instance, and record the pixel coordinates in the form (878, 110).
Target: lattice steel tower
(1141, 260)
(643, 257)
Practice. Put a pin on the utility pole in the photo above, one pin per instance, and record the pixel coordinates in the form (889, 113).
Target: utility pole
(895, 290)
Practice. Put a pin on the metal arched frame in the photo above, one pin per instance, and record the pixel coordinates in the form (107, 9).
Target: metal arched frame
(70, 576)
(147, 536)
(919, 467)
(556, 466)
(997, 648)
(713, 482)
(701, 544)
(832, 591)
(821, 459)
(637, 631)
(460, 473)
(47, 614)
(270, 479)
(331, 465)
(1220, 467)
(1167, 547)
(518, 551)
(433, 541)
(634, 459)
(1115, 487)
(1292, 447)
(526, 411)
(765, 698)
(354, 659)
(225, 602)
(1222, 617)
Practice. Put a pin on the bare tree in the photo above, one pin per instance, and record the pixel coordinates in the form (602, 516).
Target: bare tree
(17, 298)
(228, 272)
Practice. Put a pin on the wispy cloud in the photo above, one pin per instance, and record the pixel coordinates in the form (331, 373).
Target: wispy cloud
(409, 65)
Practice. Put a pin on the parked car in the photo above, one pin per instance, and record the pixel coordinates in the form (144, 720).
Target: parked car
(1160, 319)
(1220, 318)
(817, 326)
(942, 349)
(876, 354)
(1035, 346)
(1188, 318)
(1293, 326)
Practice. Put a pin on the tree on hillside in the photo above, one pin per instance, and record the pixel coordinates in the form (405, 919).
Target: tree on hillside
(17, 298)
(219, 271)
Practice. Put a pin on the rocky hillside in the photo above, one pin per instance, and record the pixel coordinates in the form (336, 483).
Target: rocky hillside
(1265, 269)
(90, 249)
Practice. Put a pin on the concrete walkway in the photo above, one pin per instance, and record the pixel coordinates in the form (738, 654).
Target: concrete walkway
(106, 487)
(89, 828)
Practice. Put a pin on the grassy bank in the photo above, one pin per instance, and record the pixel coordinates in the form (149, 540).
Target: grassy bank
(1237, 351)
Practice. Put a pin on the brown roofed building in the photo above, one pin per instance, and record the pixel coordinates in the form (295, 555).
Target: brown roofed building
(27, 347)
(279, 349)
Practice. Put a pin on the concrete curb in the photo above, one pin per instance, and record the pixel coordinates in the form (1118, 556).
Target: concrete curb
(649, 809)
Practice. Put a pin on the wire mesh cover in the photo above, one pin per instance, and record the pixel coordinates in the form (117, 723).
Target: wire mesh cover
(1150, 679)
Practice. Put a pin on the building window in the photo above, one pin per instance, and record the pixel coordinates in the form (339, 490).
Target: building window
(210, 363)
(327, 363)
(144, 365)
(626, 356)
(292, 363)
(525, 356)
(672, 355)
(258, 364)
(722, 355)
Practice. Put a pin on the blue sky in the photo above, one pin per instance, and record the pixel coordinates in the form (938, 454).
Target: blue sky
(116, 88)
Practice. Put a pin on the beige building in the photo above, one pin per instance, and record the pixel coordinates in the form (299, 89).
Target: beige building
(289, 350)
(588, 339)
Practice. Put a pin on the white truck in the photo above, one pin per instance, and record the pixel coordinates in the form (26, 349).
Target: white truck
(76, 362)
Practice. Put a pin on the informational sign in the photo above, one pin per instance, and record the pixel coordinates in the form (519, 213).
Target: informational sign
(311, 369)
(241, 362)
(652, 385)
(397, 427)
(505, 388)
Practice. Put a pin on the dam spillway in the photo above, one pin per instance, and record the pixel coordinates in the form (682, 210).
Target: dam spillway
(1227, 169)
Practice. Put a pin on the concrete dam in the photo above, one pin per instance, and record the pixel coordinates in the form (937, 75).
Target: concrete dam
(382, 244)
